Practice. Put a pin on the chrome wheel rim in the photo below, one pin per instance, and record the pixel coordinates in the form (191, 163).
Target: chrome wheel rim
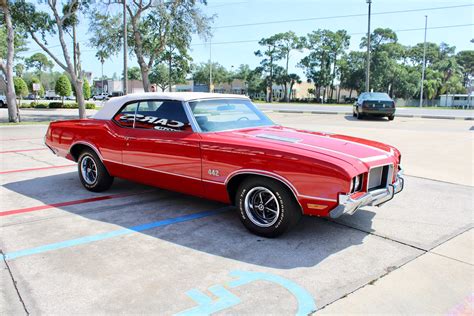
(89, 170)
(262, 207)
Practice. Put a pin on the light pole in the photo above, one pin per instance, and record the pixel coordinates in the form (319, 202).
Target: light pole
(367, 71)
(210, 65)
(125, 48)
(424, 64)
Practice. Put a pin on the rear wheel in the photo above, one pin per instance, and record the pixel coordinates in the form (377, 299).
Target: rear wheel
(2, 104)
(92, 172)
(266, 207)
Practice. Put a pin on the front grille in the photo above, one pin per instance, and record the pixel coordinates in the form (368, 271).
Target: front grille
(379, 177)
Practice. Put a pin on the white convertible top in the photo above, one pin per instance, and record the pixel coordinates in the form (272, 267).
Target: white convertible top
(112, 106)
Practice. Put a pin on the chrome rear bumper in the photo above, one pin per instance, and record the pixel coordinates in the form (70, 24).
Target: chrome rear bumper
(348, 205)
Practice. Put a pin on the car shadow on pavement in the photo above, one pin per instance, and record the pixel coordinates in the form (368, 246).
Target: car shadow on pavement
(307, 244)
(367, 118)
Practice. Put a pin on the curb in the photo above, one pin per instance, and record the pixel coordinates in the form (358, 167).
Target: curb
(439, 117)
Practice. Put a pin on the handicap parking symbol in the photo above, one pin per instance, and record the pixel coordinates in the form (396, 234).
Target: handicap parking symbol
(226, 299)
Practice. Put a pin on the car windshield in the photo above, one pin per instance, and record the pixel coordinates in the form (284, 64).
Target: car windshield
(378, 96)
(225, 114)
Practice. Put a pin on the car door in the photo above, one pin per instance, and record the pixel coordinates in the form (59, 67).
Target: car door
(161, 148)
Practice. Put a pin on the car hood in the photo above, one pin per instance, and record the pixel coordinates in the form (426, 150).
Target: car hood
(350, 149)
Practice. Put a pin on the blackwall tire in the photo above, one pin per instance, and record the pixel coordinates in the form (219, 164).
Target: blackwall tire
(391, 117)
(267, 207)
(92, 172)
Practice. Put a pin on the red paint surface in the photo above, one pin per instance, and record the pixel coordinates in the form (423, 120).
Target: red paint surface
(68, 203)
(21, 150)
(34, 169)
(316, 166)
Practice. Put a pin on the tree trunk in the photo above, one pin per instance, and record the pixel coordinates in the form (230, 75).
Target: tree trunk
(11, 96)
(80, 98)
(286, 72)
(145, 80)
(350, 93)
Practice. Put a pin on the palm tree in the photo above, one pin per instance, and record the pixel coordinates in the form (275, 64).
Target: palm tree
(102, 56)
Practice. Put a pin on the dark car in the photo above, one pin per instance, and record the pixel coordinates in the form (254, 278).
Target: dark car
(377, 104)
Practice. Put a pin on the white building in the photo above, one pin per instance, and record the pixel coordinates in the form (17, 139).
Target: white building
(456, 100)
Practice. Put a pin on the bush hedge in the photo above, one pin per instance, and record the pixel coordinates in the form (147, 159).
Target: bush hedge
(55, 105)
(70, 105)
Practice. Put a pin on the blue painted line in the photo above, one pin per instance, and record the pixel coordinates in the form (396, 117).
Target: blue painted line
(306, 304)
(115, 233)
(206, 306)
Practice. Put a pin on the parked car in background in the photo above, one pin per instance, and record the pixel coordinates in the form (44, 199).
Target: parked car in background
(51, 95)
(3, 101)
(221, 147)
(377, 104)
(100, 97)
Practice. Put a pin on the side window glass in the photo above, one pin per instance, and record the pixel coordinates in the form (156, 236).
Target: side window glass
(153, 114)
(126, 116)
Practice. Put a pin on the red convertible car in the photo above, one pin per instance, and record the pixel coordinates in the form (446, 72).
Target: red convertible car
(221, 147)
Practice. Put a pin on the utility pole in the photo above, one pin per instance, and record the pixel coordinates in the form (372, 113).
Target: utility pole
(125, 48)
(367, 71)
(210, 65)
(424, 64)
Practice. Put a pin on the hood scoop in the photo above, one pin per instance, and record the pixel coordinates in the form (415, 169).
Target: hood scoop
(279, 138)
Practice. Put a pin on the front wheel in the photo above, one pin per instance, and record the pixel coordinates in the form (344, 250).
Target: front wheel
(92, 172)
(391, 117)
(266, 207)
(359, 115)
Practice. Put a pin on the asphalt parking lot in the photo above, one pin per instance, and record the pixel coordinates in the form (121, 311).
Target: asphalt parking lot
(142, 250)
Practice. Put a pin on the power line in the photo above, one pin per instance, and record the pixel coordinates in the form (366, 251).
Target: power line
(342, 16)
(360, 33)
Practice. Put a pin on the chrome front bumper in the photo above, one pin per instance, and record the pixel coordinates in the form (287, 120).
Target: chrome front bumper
(348, 205)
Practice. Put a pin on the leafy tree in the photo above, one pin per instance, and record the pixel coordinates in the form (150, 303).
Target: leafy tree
(352, 71)
(201, 73)
(21, 89)
(293, 79)
(271, 54)
(57, 19)
(286, 43)
(152, 23)
(86, 90)
(252, 79)
(10, 38)
(19, 69)
(39, 61)
(63, 87)
(317, 64)
(159, 75)
(465, 59)
(134, 73)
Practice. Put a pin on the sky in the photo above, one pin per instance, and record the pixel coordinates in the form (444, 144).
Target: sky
(237, 12)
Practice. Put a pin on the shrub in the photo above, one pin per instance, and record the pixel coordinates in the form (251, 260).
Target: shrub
(55, 105)
(40, 105)
(27, 105)
(70, 105)
(90, 106)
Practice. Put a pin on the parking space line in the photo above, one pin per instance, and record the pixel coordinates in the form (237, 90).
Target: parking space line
(114, 233)
(68, 203)
(34, 169)
(21, 150)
